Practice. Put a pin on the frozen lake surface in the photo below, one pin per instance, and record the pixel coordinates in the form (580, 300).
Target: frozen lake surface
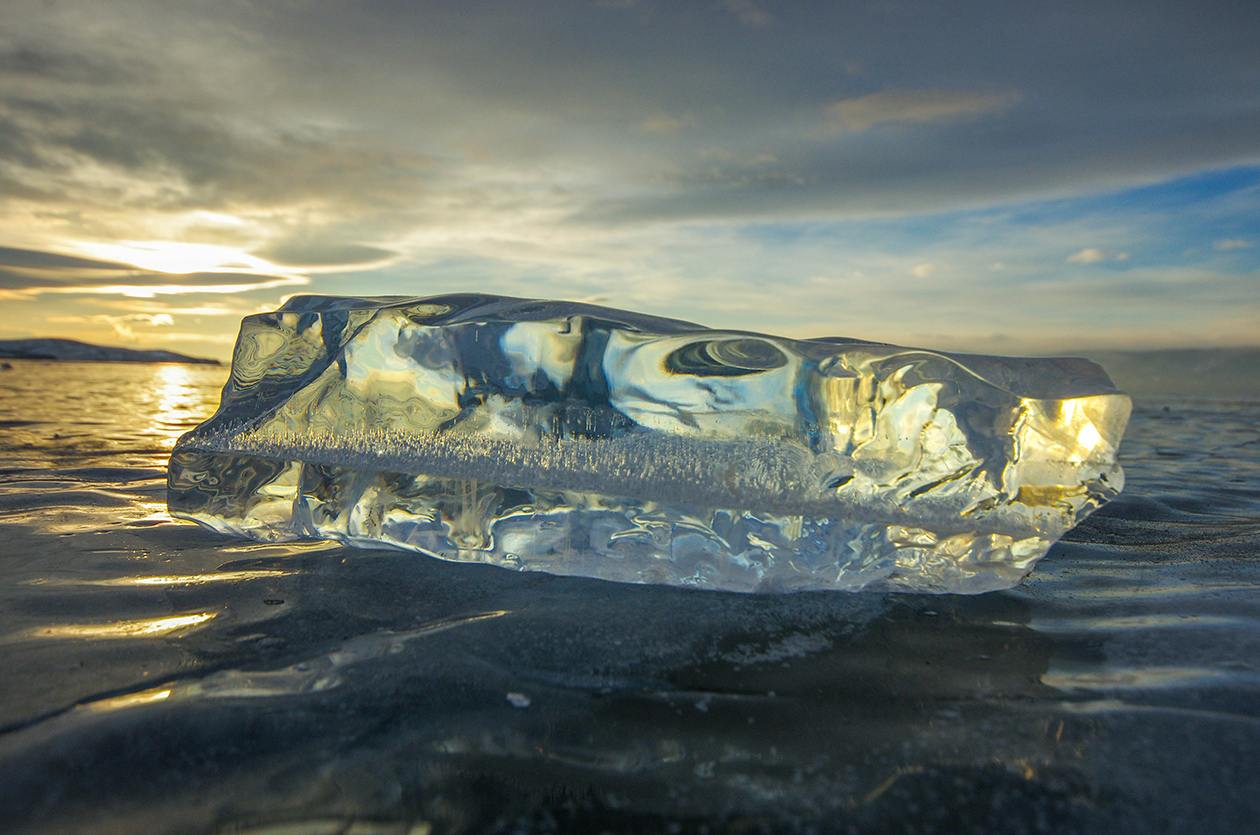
(161, 678)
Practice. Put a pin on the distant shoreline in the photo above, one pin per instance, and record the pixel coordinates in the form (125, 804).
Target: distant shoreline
(71, 350)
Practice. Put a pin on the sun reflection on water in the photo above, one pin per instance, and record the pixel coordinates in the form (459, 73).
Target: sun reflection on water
(177, 404)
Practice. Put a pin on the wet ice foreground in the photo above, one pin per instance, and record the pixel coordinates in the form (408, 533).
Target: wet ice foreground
(164, 678)
(394, 693)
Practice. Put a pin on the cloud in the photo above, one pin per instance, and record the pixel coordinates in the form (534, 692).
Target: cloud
(28, 274)
(1232, 243)
(25, 62)
(747, 13)
(668, 155)
(100, 148)
(1089, 255)
(105, 145)
(36, 260)
(123, 326)
(891, 107)
(663, 123)
(1094, 255)
(923, 270)
(309, 250)
(396, 116)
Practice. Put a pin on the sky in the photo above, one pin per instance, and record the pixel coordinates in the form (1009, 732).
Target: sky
(1006, 177)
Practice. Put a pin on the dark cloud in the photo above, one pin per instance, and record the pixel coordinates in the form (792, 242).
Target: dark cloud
(159, 135)
(399, 110)
(346, 131)
(39, 64)
(28, 269)
(1109, 90)
(35, 259)
(196, 157)
(32, 272)
(307, 251)
(10, 280)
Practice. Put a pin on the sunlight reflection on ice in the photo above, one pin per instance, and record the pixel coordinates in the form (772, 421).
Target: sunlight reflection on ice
(130, 700)
(123, 629)
(193, 579)
(177, 580)
(312, 675)
(1125, 678)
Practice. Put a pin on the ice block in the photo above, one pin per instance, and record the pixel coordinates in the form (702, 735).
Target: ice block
(581, 440)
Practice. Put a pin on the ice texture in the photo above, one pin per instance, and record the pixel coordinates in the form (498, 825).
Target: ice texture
(576, 439)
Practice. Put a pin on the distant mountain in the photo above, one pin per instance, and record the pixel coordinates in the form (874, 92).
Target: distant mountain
(69, 349)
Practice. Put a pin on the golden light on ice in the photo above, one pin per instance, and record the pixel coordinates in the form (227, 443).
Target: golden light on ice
(194, 579)
(130, 700)
(1089, 436)
(125, 628)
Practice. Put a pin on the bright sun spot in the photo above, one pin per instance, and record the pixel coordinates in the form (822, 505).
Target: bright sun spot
(178, 258)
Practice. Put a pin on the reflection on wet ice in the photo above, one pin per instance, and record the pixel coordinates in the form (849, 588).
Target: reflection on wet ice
(331, 690)
(712, 703)
(122, 629)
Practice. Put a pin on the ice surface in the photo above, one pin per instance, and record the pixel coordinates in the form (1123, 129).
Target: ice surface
(575, 439)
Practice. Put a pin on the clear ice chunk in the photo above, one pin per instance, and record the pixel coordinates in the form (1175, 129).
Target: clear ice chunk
(581, 440)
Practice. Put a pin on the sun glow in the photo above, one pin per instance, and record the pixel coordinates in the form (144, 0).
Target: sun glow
(177, 258)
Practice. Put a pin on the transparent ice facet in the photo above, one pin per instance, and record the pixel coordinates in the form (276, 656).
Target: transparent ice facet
(581, 440)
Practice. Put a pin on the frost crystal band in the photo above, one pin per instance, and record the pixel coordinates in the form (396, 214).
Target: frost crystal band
(574, 439)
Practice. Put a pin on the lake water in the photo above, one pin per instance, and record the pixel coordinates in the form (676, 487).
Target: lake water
(160, 678)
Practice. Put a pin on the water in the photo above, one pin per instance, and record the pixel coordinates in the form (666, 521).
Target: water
(160, 678)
